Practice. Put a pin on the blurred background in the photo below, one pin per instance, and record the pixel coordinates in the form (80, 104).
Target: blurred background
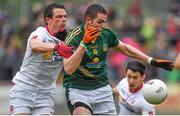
(151, 26)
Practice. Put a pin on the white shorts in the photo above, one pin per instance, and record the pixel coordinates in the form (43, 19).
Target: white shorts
(24, 101)
(99, 101)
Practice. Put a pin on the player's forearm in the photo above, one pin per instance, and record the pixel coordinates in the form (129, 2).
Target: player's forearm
(134, 53)
(115, 91)
(148, 113)
(177, 62)
(38, 46)
(71, 64)
(137, 54)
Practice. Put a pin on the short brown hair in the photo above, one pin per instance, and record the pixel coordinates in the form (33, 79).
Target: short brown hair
(92, 11)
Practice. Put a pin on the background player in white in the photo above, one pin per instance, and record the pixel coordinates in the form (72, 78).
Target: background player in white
(129, 89)
(34, 89)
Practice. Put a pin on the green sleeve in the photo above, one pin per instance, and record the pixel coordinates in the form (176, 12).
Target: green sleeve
(113, 39)
(72, 39)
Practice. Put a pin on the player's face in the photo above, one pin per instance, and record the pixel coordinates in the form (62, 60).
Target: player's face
(135, 80)
(58, 20)
(98, 22)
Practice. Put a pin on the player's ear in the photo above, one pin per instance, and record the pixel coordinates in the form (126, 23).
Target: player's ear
(88, 20)
(143, 77)
(47, 19)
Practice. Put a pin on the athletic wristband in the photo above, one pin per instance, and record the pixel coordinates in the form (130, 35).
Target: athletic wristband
(149, 60)
(83, 44)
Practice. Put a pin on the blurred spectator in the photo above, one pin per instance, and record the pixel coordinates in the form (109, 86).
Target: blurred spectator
(173, 28)
(112, 14)
(82, 8)
(2, 50)
(135, 16)
(174, 76)
(72, 22)
(160, 51)
(175, 7)
(135, 8)
(37, 16)
(148, 31)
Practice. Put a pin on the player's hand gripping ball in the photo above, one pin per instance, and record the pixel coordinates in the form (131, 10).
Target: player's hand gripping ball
(155, 91)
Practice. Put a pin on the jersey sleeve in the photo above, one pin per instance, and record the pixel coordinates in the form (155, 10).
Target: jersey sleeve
(113, 38)
(148, 109)
(72, 39)
(120, 87)
(38, 36)
(39, 32)
(148, 113)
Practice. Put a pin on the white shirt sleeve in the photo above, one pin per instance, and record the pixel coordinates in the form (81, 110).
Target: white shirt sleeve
(148, 109)
(39, 33)
(122, 86)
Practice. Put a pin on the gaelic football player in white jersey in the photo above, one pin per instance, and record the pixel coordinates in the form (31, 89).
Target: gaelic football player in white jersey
(129, 89)
(34, 85)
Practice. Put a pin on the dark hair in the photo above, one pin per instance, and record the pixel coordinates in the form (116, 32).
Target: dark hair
(136, 66)
(92, 11)
(48, 12)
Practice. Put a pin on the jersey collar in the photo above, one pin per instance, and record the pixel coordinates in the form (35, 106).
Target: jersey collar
(82, 27)
(139, 88)
(53, 34)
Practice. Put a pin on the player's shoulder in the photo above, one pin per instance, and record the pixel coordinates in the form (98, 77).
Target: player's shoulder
(123, 83)
(39, 31)
(124, 80)
(107, 29)
(72, 33)
(40, 28)
(75, 31)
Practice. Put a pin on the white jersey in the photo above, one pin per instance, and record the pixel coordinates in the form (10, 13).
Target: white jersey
(39, 71)
(133, 103)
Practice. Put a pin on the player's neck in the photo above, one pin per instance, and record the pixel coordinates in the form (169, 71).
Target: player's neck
(50, 31)
(137, 89)
(85, 26)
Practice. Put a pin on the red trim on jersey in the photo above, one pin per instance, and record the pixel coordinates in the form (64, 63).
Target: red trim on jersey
(11, 109)
(34, 37)
(151, 113)
(137, 89)
(53, 34)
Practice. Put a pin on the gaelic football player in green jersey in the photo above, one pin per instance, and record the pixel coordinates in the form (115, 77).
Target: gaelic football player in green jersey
(87, 87)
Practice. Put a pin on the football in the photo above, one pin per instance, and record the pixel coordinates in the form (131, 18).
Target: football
(155, 91)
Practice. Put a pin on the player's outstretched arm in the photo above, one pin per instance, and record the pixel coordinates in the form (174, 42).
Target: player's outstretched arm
(137, 54)
(115, 91)
(165, 64)
(63, 50)
(73, 62)
(37, 45)
(177, 61)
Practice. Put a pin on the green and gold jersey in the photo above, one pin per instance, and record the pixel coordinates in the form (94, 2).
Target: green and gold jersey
(92, 72)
